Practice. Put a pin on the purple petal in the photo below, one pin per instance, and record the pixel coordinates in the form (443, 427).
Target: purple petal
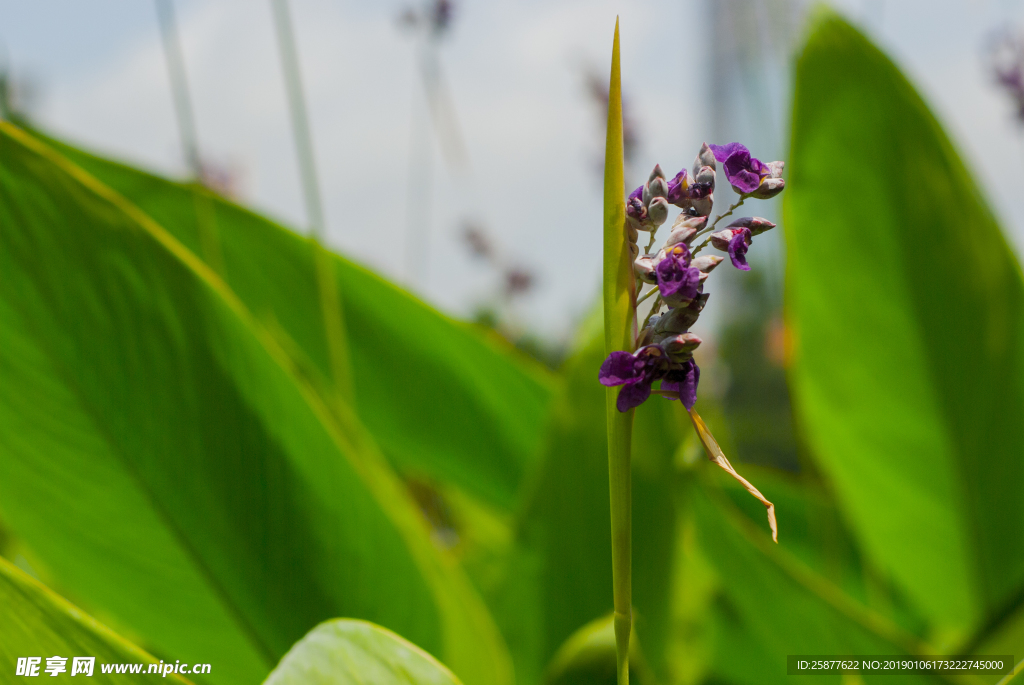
(724, 152)
(675, 281)
(738, 249)
(636, 194)
(675, 187)
(632, 395)
(739, 169)
(635, 208)
(742, 170)
(687, 387)
(618, 368)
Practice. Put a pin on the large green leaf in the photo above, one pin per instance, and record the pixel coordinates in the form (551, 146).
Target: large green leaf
(1016, 677)
(348, 652)
(780, 605)
(35, 622)
(588, 657)
(159, 454)
(440, 398)
(906, 306)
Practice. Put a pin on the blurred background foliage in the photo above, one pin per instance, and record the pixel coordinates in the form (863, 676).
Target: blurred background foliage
(178, 460)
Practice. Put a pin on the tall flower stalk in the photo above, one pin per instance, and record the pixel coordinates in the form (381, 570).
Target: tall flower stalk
(660, 351)
(619, 297)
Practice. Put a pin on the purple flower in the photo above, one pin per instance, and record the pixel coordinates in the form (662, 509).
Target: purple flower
(738, 248)
(744, 172)
(646, 207)
(683, 381)
(735, 241)
(683, 190)
(635, 208)
(636, 372)
(676, 280)
(677, 190)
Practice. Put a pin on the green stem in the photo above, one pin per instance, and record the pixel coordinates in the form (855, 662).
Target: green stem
(330, 299)
(620, 432)
(206, 221)
(647, 250)
(647, 294)
(718, 218)
(619, 295)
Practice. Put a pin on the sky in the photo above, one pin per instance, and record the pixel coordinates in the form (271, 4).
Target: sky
(515, 71)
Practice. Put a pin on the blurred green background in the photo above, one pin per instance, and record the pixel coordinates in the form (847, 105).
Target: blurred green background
(206, 469)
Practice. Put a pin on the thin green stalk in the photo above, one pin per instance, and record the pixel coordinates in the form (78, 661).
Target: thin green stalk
(179, 85)
(646, 295)
(206, 221)
(1014, 677)
(330, 301)
(619, 296)
(732, 208)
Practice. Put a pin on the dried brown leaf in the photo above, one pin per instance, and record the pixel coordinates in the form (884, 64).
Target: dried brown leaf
(716, 455)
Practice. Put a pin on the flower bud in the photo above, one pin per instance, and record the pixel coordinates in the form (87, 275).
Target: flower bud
(720, 239)
(769, 188)
(631, 232)
(704, 205)
(706, 263)
(657, 173)
(634, 250)
(678, 190)
(657, 213)
(636, 212)
(679, 319)
(680, 347)
(683, 234)
(644, 268)
(705, 178)
(658, 188)
(756, 224)
(690, 221)
(676, 321)
(705, 158)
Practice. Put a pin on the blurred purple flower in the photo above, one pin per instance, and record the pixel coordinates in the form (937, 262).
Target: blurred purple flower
(636, 372)
(676, 280)
(1006, 55)
(683, 381)
(744, 172)
(738, 248)
(735, 241)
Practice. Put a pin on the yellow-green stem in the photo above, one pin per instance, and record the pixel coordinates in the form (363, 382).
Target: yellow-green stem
(619, 297)
(620, 431)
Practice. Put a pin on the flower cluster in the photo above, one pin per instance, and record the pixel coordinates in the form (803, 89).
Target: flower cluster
(1006, 53)
(665, 345)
